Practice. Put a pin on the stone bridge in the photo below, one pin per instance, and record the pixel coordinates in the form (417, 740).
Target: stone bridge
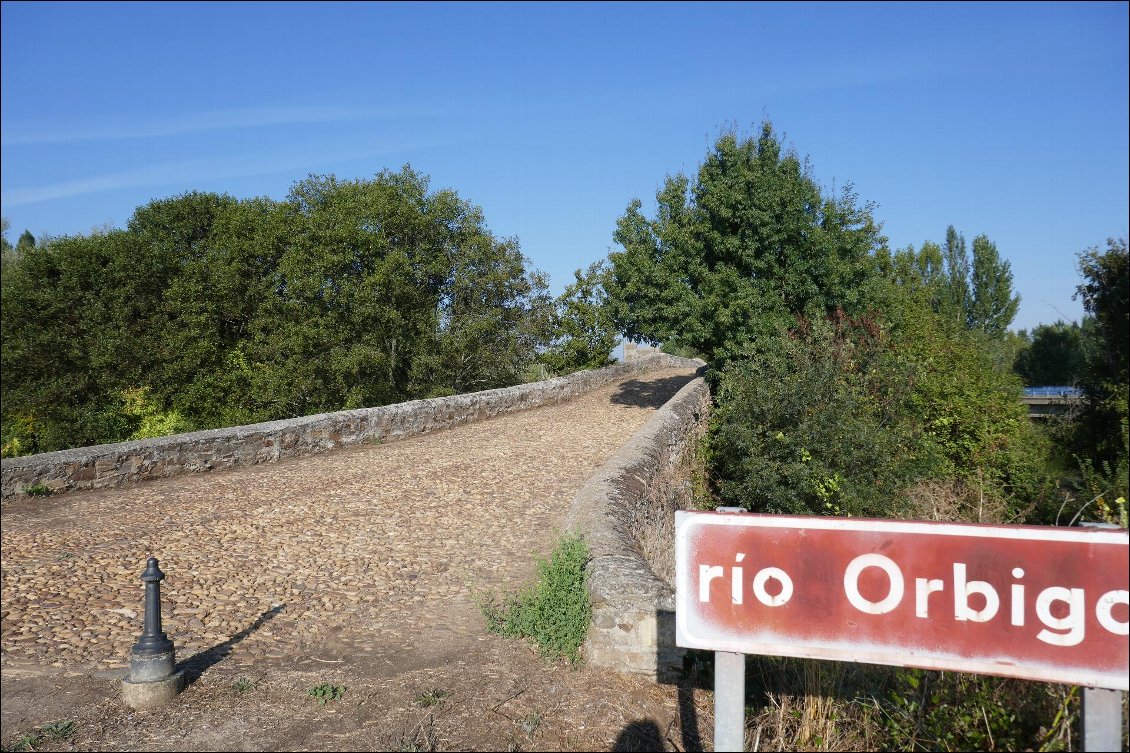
(375, 552)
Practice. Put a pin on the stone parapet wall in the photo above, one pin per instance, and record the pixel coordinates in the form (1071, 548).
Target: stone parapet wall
(633, 622)
(111, 465)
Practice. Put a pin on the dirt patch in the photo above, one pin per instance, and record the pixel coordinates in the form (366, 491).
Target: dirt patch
(499, 696)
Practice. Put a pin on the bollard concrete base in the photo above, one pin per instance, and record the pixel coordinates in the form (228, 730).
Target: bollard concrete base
(152, 667)
(150, 695)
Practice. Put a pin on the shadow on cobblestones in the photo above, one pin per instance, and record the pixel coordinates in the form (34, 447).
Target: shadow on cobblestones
(649, 394)
(202, 661)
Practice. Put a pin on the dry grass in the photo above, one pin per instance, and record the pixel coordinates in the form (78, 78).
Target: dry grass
(955, 501)
(677, 486)
(810, 705)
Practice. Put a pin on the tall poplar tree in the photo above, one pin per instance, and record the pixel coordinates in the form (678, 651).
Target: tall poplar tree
(992, 304)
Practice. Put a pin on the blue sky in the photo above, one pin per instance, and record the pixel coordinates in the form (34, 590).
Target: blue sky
(1009, 120)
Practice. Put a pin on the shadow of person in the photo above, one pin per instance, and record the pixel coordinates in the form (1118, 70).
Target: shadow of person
(640, 735)
(200, 662)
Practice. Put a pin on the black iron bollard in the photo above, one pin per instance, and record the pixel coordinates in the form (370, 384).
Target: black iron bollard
(153, 657)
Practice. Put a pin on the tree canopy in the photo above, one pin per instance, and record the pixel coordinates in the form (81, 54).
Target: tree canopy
(1103, 434)
(208, 311)
(1055, 354)
(584, 333)
(968, 293)
(730, 258)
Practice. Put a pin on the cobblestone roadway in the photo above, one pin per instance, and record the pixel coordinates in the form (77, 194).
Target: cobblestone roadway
(371, 552)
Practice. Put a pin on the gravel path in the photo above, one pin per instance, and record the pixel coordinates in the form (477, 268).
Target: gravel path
(368, 556)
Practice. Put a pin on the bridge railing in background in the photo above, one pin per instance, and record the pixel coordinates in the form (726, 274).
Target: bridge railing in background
(1069, 392)
(1045, 402)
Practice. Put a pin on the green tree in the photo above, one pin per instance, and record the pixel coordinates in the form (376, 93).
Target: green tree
(1105, 291)
(992, 303)
(737, 255)
(9, 254)
(58, 334)
(1103, 434)
(964, 393)
(212, 311)
(208, 311)
(494, 317)
(974, 294)
(25, 242)
(584, 333)
(956, 295)
(7, 251)
(1054, 354)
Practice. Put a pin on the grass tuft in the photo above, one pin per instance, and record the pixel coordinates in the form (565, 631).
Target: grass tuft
(554, 613)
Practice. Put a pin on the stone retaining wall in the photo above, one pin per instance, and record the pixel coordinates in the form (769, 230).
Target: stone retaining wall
(112, 465)
(633, 622)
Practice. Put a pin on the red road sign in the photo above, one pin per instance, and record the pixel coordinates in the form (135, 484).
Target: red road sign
(1035, 602)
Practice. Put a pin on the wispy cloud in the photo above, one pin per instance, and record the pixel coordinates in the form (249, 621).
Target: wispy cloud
(20, 134)
(186, 174)
(149, 175)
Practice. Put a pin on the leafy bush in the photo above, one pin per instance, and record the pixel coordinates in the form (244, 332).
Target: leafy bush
(970, 410)
(955, 711)
(818, 423)
(583, 331)
(151, 421)
(554, 612)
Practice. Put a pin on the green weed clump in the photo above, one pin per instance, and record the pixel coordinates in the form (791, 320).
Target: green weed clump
(554, 612)
(243, 685)
(326, 692)
(59, 731)
(432, 697)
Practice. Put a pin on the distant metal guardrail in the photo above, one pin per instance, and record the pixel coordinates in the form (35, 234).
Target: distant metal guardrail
(1052, 392)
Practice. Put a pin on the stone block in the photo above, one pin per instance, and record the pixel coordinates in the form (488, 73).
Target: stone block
(150, 695)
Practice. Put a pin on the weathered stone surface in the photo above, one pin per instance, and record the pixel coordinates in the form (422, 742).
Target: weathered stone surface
(128, 462)
(372, 550)
(633, 609)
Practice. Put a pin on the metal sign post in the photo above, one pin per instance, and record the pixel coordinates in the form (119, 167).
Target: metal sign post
(1101, 720)
(729, 693)
(729, 701)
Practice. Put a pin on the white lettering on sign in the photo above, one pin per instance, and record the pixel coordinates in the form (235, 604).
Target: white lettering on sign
(1072, 623)
(962, 591)
(1066, 629)
(781, 577)
(1018, 598)
(707, 573)
(1106, 605)
(851, 583)
(922, 590)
